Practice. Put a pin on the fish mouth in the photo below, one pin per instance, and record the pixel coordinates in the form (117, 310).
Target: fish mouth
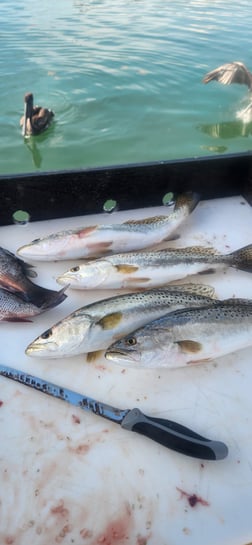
(64, 279)
(34, 252)
(38, 350)
(25, 250)
(122, 355)
(73, 282)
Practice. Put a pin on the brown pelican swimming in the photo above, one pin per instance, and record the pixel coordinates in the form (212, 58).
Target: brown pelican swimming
(35, 119)
(234, 72)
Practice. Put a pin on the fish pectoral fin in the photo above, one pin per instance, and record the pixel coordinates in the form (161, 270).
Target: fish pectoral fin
(188, 346)
(93, 356)
(196, 362)
(11, 285)
(96, 249)
(138, 280)
(87, 231)
(100, 245)
(124, 268)
(110, 320)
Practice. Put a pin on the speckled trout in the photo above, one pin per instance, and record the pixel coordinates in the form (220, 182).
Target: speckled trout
(98, 240)
(95, 326)
(187, 336)
(151, 269)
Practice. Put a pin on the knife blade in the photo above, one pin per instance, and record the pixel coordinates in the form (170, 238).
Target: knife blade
(165, 432)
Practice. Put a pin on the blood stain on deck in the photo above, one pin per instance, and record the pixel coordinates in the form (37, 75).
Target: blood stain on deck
(75, 419)
(9, 540)
(192, 499)
(85, 533)
(83, 448)
(117, 532)
(60, 510)
(62, 534)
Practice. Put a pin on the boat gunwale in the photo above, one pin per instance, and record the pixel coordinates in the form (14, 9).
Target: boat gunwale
(66, 193)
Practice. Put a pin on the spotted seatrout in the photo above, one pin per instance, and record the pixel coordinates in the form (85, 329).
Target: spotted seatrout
(97, 240)
(151, 269)
(187, 336)
(94, 327)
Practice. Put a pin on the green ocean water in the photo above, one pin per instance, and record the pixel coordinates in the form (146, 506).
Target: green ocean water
(124, 79)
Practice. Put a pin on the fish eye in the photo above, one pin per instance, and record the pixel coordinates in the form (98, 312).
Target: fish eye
(131, 341)
(75, 269)
(36, 240)
(46, 334)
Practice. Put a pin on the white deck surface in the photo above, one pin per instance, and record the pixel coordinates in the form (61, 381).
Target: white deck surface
(70, 477)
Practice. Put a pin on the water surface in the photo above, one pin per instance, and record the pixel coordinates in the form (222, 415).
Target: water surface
(124, 79)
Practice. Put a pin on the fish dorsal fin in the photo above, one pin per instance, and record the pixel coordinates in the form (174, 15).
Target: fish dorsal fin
(198, 289)
(145, 221)
(110, 320)
(201, 250)
(190, 347)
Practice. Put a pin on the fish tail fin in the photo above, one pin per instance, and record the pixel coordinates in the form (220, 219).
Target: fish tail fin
(189, 199)
(45, 298)
(242, 259)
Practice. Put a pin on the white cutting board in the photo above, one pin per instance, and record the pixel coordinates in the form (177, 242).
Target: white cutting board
(70, 477)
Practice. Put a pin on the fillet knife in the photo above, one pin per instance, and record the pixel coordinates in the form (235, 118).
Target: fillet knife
(165, 432)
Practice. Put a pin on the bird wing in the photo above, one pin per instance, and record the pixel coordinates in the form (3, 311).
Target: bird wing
(232, 72)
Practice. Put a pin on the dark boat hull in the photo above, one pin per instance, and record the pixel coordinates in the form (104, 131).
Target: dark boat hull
(51, 195)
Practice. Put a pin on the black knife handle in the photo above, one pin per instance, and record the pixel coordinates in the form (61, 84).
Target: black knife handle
(174, 436)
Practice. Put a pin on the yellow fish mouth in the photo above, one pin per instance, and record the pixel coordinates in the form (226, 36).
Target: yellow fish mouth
(121, 354)
(39, 347)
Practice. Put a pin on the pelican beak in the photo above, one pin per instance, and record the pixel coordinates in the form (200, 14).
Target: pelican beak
(25, 120)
